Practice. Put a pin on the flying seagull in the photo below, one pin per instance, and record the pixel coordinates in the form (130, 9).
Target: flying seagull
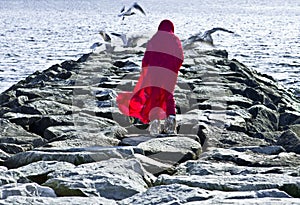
(129, 12)
(105, 36)
(95, 46)
(123, 38)
(106, 40)
(205, 37)
(131, 41)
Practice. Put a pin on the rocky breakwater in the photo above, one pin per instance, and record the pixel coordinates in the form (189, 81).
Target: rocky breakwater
(63, 140)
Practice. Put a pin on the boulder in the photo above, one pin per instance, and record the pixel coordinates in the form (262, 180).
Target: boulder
(13, 134)
(247, 182)
(171, 149)
(22, 200)
(3, 155)
(290, 141)
(289, 118)
(168, 194)
(75, 156)
(27, 189)
(46, 107)
(249, 158)
(38, 171)
(113, 179)
(204, 167)
(71, 136)
(153, 166)
(263, 119)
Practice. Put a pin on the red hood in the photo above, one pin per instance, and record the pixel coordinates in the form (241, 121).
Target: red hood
(166, 25)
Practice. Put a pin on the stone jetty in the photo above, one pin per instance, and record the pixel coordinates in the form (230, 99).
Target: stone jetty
(64, 141)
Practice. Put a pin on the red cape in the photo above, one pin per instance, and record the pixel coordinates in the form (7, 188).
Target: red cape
(152, 97)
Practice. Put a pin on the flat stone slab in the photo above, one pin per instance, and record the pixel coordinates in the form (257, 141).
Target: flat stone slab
(75, 156)
(38, 171)
(204, 167)
(182, 194)
(27, 189)
(15, 134)
(247, 182)
(113, 179)
(22, 200)
(171, 149)
(168, 194)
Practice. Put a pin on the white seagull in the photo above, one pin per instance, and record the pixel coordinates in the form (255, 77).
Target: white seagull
(129, 11)
(122, 36)
(106, 40)
(131, 41)
(95, 46)
(205, 37)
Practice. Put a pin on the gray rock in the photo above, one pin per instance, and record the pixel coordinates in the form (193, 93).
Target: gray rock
(12, 177)
(15, 103)
(153, 166)
(171, 149)
(268, 196)
(37, 200)
(254, 201)
(14, 134)
(168, 194)
(28, 189)
(253, 94)
(72, 155)
(38, 171)
(261, 149)
(263, 119)
(290, 141)
(204, 167)
(33, 93)
(93, 124)
(252, 159)
(21, 119)
(227, 139)
(2, 169)
(113, 179)
(3, 155)
(247, 182)
(40, 125)
(289, 118)
(134, 140)
(82, 122)
(46, 107)
(71, 136)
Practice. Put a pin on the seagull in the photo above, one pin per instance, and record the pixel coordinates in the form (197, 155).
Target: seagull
(106, 40)
(95, 45)
(123, 38)
(105, 36)
(131, 41)
(205, 37)
(129, 11)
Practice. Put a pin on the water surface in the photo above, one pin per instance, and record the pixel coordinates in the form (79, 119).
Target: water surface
(37, 34)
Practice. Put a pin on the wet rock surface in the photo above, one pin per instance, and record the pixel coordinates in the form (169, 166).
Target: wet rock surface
(63, 140)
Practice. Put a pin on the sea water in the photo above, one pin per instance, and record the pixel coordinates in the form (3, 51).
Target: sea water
(35, 34)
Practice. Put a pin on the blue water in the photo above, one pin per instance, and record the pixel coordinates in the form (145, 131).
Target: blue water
(35, 34)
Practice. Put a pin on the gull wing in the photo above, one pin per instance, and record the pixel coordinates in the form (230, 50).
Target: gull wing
(105, 36)
(138, 7)
(217, 29)
(123, 9)
(122, 36)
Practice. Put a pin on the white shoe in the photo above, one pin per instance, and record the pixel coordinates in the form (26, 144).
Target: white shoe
(170, 125)
(154, 127)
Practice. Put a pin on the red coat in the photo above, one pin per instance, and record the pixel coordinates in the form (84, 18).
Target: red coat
(152, 97)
